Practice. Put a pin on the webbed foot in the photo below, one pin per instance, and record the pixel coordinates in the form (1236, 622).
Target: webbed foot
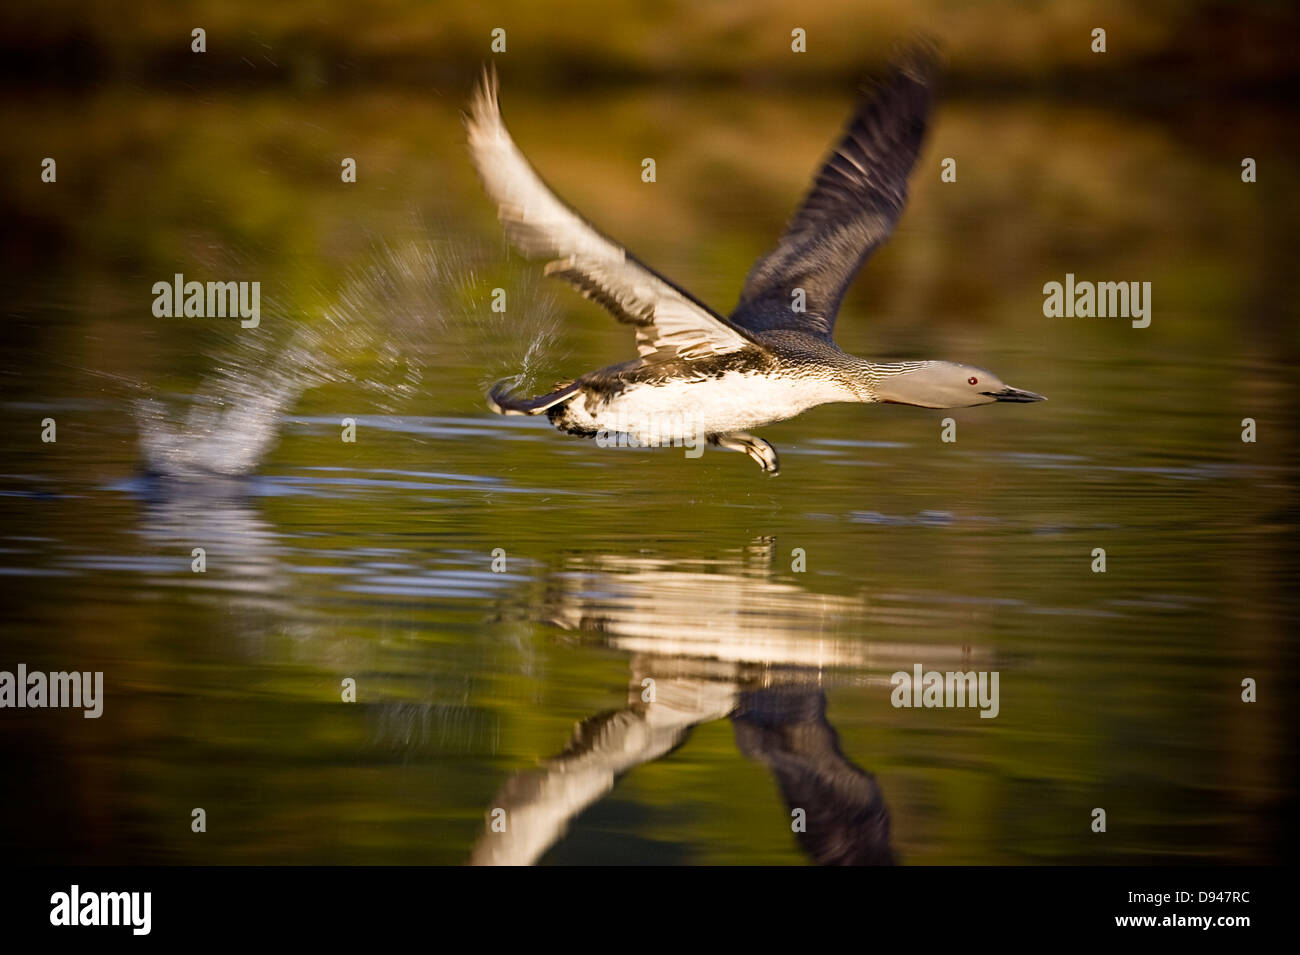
(758, 449)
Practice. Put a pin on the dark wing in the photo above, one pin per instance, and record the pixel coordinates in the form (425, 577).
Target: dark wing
(668, 321)
(857, 197)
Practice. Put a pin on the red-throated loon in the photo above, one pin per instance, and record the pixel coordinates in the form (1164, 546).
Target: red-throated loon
(698, 374)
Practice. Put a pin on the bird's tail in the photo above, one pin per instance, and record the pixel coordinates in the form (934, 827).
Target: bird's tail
(502, 401)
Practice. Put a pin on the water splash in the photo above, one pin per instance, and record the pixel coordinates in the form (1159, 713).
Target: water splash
(233, 418)
(410, 306)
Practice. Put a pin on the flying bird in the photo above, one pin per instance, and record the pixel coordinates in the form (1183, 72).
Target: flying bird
(698, 374)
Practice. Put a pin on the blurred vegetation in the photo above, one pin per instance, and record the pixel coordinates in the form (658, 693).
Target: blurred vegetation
(1210, 44)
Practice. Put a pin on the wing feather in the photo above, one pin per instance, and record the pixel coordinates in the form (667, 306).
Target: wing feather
(669, 321)
(850, 211)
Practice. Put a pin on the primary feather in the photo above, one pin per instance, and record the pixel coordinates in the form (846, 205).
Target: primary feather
(849, 212)
(670, 323)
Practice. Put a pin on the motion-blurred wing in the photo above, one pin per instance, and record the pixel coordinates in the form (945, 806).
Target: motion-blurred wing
(668, 320)
(855, 201)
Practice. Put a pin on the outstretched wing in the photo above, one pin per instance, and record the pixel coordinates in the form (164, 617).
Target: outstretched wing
(855, 201)
(669, 322)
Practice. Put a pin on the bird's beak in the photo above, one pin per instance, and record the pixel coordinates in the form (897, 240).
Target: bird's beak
(1014, 394)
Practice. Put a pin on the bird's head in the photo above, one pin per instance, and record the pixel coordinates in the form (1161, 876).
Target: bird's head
(943, 384)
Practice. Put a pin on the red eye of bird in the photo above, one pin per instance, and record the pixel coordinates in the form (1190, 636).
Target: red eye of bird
(973, 381)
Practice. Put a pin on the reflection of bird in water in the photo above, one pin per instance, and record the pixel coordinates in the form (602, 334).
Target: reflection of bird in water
(783, 726)
(539, 805)
(723, 640)
(786, 728)
(698, 374)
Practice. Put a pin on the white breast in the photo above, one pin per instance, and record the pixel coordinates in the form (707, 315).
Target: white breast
(735, 401)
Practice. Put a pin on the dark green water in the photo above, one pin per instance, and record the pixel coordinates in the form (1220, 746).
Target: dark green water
(373, 560)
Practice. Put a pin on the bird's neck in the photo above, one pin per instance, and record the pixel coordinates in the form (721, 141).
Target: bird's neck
(867, 375)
